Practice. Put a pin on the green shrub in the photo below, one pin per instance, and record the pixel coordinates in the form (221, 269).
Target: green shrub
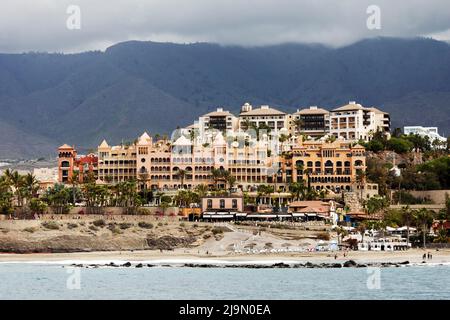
(125, 225)
(195, 225)
(217, 230)
(99, 223)
(323, 236)
(160, 224)
(182, 224)
(145, 225)
(29, 229)
(93, 228)
(72, 225)
(51, 225)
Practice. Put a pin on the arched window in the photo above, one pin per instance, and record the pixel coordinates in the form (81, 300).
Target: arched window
(209, 203)
(222, 204)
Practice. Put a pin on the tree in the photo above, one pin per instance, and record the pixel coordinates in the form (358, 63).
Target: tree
(74, 180)
(298, 123)
(407, 217)
(424, 218)
(181, 174)
(231, 180)
(400, 145)
(37, 206)
(360, 180)
(58, 199)
(165, 203)
(376, 204)
(362, 229)
(201, 190)
(298, 190)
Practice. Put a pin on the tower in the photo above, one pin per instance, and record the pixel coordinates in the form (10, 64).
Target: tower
(66, 159)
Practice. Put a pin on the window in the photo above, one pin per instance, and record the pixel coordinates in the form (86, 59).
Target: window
(143, 160)
(222, 204)
(209, 203)
(234, 203)
(143, 150)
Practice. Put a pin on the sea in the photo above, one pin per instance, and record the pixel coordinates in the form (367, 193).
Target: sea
(61, 281)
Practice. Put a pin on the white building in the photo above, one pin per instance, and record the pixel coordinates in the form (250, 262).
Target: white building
(430, 132)
(220, 119)
(46, 174)
(275, 119)
(355, 122)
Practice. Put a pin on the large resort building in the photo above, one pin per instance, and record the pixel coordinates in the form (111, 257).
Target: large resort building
(312, 145)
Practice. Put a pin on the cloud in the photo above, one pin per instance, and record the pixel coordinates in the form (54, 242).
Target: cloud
(40, 25)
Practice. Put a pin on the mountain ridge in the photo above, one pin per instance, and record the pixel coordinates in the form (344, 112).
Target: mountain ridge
(135, 86)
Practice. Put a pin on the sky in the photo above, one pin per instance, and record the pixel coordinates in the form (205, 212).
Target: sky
(80, 25)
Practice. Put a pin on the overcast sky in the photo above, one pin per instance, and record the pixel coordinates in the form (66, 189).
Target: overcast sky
(41, 25)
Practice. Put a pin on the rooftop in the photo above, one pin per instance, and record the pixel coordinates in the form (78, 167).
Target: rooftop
(263, 111)
(312, 110)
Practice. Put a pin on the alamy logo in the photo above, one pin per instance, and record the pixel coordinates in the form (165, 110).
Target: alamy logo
(74, 280)
(374, 20)
(374, 279)
(73, 22)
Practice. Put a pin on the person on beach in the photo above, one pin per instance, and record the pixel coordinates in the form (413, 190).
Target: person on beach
(424, 256)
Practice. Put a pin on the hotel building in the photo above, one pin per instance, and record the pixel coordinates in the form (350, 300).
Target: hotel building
(330, 165)
(430, 132)
(117, 163)
(70, 163)
(354, 122)
(312, 156)
(274, 119)
(312, 122)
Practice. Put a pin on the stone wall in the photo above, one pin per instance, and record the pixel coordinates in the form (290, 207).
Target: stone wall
(351, 200)
(437, 196)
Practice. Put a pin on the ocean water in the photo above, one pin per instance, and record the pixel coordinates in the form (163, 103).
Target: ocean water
(52, 281)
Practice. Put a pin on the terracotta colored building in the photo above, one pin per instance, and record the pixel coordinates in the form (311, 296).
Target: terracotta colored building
(69, 163)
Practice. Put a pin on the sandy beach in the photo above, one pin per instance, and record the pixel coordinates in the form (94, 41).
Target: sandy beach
(166, 241)
(191, 256)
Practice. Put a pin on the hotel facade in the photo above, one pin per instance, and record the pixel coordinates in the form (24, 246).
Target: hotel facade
(281, 151)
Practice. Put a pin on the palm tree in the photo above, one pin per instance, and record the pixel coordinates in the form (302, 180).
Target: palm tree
(231, 180)
(298, 124)
(407, 216)
(216, 175)
(74, 181)
(360, 179)
(201, 190)
(297, 189)
(362, 229)
(424, 217)
(31, 184)
(181, 174)
(16, 181)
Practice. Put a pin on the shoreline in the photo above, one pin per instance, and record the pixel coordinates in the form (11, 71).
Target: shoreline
(413, 256)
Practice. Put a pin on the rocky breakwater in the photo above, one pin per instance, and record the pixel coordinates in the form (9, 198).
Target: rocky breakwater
(346, 264)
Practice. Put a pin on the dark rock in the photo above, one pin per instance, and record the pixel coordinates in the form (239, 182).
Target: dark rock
(361, 265)
(280, 265)
(150, 265)
(139, 265)
(126, 264)
(350, 264)
(404, 262)
(336, 265)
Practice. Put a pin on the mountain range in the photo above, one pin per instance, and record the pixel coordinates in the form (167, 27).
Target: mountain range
(48, 99)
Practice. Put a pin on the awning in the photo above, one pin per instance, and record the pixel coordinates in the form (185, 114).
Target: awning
(298, 215)
(241, 214)
(261, 216)
(218, 216)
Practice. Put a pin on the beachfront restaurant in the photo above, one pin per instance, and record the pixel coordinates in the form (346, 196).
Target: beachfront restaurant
(383, 245)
